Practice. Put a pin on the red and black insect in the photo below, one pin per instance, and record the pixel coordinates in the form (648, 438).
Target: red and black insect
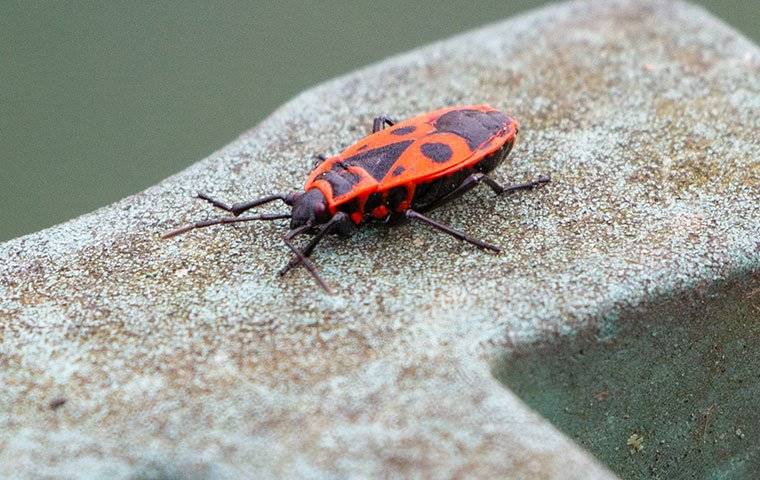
(400, 170)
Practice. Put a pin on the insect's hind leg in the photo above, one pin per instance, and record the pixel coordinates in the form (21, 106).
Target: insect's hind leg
(468, 184)
(499, 190)
(238, 208)
(474, 180)
(379, 123)
(454, 233)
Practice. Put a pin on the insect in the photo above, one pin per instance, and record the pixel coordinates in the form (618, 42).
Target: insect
(402, 169)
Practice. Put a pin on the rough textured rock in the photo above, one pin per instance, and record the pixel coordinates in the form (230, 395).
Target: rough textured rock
(191, 358)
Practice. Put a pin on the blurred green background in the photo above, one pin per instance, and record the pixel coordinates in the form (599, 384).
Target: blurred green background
(101, 100)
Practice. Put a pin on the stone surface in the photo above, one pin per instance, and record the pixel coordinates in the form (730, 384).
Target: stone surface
(191, 358)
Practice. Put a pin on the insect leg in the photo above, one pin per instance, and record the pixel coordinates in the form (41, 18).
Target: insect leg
(474, 180)
(238, 208)
(499, 190)
(380, 122)
(454, 233)
(225, 220)
(302, 259)
(468, 184)
(332, 224)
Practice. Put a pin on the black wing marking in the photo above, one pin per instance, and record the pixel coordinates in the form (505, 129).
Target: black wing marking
(473, 125)
(437, 152)
(403, 130)
(377, 161)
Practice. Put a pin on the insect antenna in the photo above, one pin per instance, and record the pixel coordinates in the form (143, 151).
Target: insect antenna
(238, 208)
(300, 256)
(223, 221)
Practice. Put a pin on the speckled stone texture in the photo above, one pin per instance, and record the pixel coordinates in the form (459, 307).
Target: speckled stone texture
(191, 358)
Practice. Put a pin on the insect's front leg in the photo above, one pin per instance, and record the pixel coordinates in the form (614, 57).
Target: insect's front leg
(340, 223)
(344, 226)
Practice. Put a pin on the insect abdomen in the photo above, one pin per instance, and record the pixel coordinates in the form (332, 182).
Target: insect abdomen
(430, 192)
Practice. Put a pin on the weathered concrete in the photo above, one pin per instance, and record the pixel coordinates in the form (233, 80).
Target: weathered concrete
(191, 358)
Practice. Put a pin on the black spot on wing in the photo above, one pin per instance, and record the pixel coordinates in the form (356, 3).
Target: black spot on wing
(378, 161)
(473, 125)
(341, 181)
(437, 152)
(403, 130)
(398, 171)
